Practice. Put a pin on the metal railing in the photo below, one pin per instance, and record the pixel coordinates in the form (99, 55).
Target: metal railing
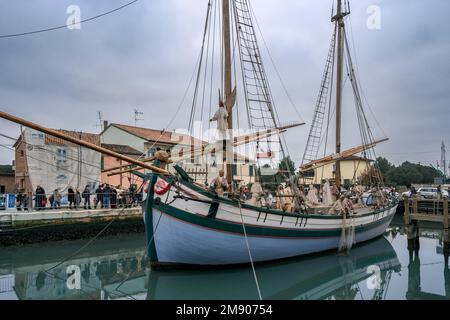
(43, 202)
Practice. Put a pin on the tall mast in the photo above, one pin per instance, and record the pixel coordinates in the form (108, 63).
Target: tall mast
(339, 19)
(228, 83)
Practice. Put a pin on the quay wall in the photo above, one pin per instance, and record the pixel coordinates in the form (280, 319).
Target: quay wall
(35, 227)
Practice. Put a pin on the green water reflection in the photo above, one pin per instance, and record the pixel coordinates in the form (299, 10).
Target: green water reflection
(115, 268)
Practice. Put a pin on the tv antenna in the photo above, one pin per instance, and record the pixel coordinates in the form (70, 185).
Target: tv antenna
(443, 159)
(100, 123)
(138, 116)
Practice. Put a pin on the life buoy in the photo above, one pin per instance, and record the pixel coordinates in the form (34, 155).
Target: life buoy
(161, 187)
(146, 186)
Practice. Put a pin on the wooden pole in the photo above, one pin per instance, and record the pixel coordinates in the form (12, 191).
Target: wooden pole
(82, 143)
(122, 172)
(228, 87)
(406, 214)
(445, 208)
(339, 80)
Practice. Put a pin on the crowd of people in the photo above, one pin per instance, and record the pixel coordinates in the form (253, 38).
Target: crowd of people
(104, 197)
(289, 198)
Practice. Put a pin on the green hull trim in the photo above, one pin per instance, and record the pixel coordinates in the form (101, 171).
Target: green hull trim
(236, 228)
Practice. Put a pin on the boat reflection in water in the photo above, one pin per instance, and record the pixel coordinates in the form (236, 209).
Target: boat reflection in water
(108, 273)
(324, 276)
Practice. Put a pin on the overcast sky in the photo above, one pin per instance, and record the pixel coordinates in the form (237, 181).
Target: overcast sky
(143, 56)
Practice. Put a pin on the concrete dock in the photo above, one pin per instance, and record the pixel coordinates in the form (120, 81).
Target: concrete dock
(39, 226)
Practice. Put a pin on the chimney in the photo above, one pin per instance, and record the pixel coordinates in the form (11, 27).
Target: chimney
(105, 124)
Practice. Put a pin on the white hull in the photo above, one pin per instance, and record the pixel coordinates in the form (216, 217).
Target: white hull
(194, 239)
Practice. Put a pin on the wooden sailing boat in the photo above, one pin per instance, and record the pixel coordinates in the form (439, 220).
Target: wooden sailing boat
(187, 224)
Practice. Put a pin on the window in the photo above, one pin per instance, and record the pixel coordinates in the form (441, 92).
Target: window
(2, 189)
(62, 155)
(39, 136)
(62, 180)
(22, 153)
(151, 152)
(347, 183)
(251, 171)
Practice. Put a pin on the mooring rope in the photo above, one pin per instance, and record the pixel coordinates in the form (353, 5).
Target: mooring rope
(249, 252)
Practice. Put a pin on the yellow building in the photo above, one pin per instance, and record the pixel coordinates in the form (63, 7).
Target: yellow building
(352, 169)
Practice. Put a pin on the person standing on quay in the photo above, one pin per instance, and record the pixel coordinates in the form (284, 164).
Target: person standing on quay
(56, 199)
(87, 197)
(41, 199)
(99, 196)
(107, 191)
(71, 197)
(77, 198)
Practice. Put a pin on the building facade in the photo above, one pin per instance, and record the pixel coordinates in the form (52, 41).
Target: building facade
(146, 141)
(123, 181)
(352, 169)
(7, 181)
(52, 163)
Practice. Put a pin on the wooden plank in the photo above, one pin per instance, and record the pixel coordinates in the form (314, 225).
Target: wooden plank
(415, 205)
(427, 217)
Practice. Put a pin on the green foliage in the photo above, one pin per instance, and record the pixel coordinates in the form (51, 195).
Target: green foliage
(271, 182)
(407, 173)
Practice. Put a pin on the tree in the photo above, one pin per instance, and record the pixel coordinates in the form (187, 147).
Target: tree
(284, 167)
(404, 175)
(384, 166)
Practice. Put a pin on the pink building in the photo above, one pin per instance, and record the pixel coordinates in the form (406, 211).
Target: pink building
(124, 180)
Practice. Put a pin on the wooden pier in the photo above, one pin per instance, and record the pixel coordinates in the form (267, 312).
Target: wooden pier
(417, 210)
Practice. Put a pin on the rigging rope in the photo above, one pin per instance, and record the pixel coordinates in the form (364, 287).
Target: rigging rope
(67, 25)
(249, 252)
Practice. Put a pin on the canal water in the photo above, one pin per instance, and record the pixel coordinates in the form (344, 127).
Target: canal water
(391, 267)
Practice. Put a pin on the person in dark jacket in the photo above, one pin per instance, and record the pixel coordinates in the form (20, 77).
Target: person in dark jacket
(77, 198)
(107, 193)
(19, 200)
(41, 199)
(113, 198)
(71, 197)
(99, 196)
(87, 197)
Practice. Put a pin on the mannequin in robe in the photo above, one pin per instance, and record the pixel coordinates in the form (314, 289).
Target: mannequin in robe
(312, 197)
(280, 197)
(347, 205)
(359, 190)
(220, 184)
(221, 116)
(338, 208)
(257, 193)
(301, 194)
(288, 199)
(327, 198)
(379, 197)
(335, 192)
(269, 200)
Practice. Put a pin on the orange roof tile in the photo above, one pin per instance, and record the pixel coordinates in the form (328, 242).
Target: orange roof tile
(152, 135)
(88, 137)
